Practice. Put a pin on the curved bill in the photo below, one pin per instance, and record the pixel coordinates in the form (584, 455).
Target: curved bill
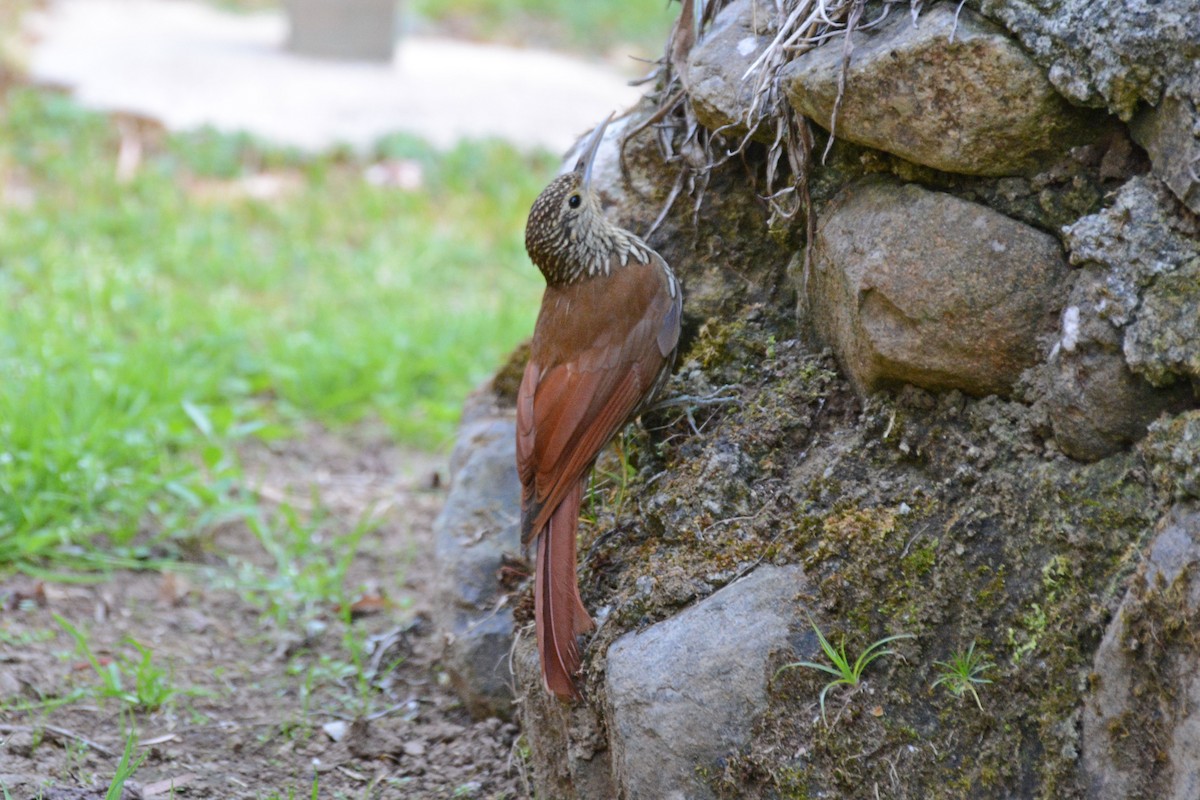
(589, 155)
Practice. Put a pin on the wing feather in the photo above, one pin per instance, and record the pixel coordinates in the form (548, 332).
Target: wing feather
(576, 397)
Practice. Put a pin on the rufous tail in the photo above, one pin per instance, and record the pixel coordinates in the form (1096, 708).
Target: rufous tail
(557, 607)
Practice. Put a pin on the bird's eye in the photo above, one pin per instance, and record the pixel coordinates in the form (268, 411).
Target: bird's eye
(574, 201)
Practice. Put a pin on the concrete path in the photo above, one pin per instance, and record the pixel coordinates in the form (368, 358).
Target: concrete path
(189, 64)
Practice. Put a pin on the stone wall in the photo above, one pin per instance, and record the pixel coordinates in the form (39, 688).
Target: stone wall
(966, 413)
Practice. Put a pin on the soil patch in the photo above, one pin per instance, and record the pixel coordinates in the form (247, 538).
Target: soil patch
(266, 686)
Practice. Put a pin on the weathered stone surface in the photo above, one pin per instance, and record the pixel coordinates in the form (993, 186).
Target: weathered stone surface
(477, 526)
(1126, 350)
(1171, 134)
(972, 102)
(1097, 405)
(678, 696)
(569, 752)
(1163, 343)
(687, 691)
(920, 287)
(1117, 53)
(719, 95)
(1146, 702)
(1174, 448)
(1138, 238)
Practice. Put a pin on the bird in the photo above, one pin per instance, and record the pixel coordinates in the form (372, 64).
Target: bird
(603, 346)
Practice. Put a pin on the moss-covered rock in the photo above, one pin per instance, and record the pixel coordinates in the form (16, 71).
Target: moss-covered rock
(940, 517)
(954, 521)
(1139, 732)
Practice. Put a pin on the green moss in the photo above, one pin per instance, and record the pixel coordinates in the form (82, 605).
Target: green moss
(921, 560)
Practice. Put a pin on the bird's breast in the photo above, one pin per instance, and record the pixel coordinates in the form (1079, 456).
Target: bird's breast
(603, 310)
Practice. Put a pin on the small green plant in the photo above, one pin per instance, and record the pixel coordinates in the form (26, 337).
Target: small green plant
(303, 584)
(151, 684)
(610, 481)
(960, 674)
(125, 770)
(843, 671)
(76, 755)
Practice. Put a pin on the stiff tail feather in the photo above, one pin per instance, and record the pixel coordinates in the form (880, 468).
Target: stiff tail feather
(558, 609)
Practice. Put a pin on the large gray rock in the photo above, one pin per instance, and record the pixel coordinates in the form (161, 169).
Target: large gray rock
(1127, 348)
(477, 527)
(920, 287)
(967, 100)
(1171, 135)
(719, 95)
(1141, 724)
(688, 691)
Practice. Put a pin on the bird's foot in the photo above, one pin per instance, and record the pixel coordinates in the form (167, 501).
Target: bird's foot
(690, 402)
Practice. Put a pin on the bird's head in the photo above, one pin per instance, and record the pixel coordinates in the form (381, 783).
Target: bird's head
(566, 218)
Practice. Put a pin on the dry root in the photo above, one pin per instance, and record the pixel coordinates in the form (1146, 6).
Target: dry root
(800, 25)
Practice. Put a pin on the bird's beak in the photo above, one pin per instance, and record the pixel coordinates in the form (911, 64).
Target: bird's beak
(589, 155)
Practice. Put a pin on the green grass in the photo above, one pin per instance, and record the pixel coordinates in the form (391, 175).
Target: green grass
(125, 770)
(148, 327)
(844, 671)
(310, 560)
(139, 683)
(962, 673)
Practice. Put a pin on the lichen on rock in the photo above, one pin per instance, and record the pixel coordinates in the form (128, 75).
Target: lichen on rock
(1140, 736)
(1125, 348)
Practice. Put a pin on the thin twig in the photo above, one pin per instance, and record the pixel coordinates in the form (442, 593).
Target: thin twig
(99, 748)
(856, 11)
(663, 110)
(713, 398)
(666, 209)
(957, 11)
(391, 710)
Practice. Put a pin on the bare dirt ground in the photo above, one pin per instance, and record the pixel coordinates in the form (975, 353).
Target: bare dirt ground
(263, 705)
